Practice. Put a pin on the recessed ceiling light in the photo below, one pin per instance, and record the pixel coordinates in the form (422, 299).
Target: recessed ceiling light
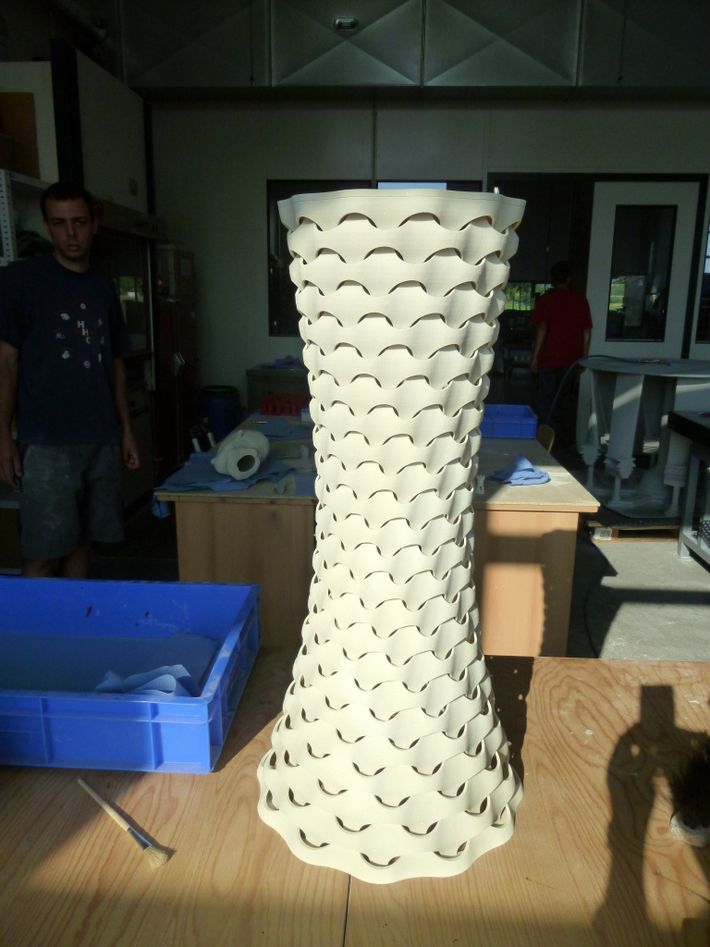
(345, 24)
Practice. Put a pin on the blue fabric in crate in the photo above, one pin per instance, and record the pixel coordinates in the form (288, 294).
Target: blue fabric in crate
(521, 473)
(67, 662)
(170, 681)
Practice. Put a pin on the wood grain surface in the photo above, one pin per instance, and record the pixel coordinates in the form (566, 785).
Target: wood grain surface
(562, 492)
(69, 876)
(591, 862)
(263, 542)
(523, 569)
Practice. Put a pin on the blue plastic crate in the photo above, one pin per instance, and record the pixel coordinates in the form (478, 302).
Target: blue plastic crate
(216, 625)
(508, 420)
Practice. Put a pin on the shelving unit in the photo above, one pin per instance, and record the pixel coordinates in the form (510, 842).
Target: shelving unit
(19, 211)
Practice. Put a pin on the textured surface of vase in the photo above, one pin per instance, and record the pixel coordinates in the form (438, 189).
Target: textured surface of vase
(389, 760)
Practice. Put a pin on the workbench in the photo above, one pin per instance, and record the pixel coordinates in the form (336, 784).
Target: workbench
(524, 536)
(591, 861)
(630, 400)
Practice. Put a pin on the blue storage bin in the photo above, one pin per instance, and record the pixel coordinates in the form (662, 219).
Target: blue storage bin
(56, 726)
(508, 420)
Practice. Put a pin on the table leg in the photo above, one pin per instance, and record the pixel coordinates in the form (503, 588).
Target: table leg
(524, 566)
(624, 424)
(691, 490)
(269, 544)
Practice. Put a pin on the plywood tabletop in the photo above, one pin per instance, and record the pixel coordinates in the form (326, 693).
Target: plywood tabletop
(563, 493)
(69, 875)
(591, 861)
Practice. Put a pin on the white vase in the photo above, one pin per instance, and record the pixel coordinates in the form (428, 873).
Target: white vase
(389, 761)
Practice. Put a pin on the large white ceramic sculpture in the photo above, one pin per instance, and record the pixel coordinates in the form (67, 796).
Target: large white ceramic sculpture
(389, 761)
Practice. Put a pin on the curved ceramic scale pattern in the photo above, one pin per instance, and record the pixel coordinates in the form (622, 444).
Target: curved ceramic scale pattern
(389, 761)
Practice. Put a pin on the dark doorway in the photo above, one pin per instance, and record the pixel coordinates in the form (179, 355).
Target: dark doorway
(556, 226)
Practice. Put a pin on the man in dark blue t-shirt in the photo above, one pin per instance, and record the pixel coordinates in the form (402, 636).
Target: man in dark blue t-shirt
(62, 343)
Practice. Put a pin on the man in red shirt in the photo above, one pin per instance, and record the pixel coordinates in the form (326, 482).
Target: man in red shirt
(563, 326)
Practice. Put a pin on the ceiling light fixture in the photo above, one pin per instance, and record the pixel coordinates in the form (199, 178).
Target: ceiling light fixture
(345, 24)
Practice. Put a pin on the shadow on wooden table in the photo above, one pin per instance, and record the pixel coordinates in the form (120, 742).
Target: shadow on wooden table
(511, 684)
(644, 759)
(262, 700)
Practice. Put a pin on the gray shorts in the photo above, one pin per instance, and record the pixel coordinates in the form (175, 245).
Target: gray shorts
(69, 493)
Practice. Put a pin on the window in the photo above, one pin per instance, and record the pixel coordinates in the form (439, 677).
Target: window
(703, 331)
(640, 272)
(124, 259)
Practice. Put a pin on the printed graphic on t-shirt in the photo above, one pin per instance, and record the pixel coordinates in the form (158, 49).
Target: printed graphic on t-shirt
(80, 336)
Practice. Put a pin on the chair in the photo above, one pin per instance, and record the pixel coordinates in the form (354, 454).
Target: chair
(546, 436)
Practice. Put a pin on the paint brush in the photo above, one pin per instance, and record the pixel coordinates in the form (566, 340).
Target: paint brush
(156, 855)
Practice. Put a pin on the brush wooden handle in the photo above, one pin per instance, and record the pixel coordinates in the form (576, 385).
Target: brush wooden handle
(106, 806)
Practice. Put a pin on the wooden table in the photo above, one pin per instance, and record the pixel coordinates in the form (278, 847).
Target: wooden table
(524, 548)
(591, 861)
(525, 541)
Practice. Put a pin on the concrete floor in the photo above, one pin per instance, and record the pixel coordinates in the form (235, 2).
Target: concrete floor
(631, 600)
(637, 600)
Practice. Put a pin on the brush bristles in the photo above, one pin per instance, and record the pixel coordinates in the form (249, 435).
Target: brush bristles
(156, 856)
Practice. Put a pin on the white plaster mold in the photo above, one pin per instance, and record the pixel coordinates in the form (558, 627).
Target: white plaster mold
(241, 453)
(389, 761)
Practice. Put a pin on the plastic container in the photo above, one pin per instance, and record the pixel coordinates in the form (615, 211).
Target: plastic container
(508, 420)
(221, 406)
(133, 731)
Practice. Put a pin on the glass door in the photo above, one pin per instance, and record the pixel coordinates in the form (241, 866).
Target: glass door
(700, 344)
(640, 264)
(124, 258)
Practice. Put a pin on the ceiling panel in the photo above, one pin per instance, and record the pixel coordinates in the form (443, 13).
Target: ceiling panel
(485, 43)
(215, 43)
(384, 49)
(646, 44)
(603, 46)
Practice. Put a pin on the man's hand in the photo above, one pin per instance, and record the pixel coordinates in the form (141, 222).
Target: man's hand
(129, 448)
(10, 461)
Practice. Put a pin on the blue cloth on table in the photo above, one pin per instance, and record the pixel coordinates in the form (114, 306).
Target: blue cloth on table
(286, 361)
(279, 428)
(521, 473)
(305, 483)
(199, 474)
(160, 508)
(169, 681)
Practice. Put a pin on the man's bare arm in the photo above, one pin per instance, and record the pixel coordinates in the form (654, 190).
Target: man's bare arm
(540, 333)
(129, 447)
